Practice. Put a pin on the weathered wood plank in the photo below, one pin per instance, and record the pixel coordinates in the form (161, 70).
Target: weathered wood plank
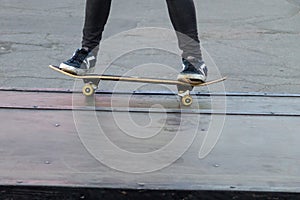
(173, 150)
(47, 148)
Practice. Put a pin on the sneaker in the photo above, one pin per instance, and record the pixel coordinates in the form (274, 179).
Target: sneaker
(194, 70)
(82, 62)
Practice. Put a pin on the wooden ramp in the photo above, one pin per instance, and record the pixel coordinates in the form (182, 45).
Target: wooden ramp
(234, 144)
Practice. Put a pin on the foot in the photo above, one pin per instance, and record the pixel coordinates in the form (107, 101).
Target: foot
(194, 70)
(82, 62)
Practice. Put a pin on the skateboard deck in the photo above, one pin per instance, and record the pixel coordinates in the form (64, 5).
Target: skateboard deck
(92, 81)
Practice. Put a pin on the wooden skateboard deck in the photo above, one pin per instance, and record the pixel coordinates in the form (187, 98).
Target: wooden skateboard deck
(92, 81)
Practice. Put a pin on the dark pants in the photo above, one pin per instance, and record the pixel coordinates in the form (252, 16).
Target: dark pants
(182, 14)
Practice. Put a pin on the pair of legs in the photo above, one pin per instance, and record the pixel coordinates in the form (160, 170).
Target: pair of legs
(183, 17)
(182, 14)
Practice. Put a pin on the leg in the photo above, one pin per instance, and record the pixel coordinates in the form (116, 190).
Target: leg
(183, 17)
(84, 59)
(96, 15)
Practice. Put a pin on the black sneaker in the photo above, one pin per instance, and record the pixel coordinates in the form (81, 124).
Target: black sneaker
(194, 70)
(82, 62)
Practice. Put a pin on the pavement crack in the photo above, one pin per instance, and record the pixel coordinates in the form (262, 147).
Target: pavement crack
(293, 14)
(276, 32)
(45, 45)
(51, 43)
(294, 2)
(16, 33)
(37, 77)
(5, 47)
(18, 8)
(247, 49)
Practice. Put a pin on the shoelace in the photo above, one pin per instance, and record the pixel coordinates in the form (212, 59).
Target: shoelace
(78, 57)
(189, 66)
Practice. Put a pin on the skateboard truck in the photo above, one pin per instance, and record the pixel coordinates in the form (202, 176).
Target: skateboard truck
(90, 86)
(89, 89)
(186, 98)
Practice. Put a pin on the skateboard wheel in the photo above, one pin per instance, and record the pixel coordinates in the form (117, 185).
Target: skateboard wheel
(187, 100)
(88, 90)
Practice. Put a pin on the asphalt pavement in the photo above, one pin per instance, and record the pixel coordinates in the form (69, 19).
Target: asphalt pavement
(254, 43)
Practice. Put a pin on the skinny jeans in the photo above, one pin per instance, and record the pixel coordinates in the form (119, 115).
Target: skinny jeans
(182, 14)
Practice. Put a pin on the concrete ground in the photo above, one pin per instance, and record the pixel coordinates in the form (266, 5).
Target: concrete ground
(255, 43)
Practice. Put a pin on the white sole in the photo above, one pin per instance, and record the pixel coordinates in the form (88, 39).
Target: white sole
(191, 78)
(72, 70)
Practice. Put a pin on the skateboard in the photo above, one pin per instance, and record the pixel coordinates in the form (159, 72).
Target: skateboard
(91, 82)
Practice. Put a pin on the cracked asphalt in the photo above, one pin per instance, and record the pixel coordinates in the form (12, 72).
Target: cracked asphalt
(255, 43)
